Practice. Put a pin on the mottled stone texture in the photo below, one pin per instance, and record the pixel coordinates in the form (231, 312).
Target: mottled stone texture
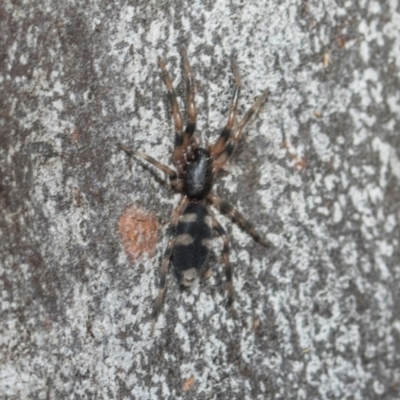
(317, 317)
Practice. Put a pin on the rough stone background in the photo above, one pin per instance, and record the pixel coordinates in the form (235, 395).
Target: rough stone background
(316, 317)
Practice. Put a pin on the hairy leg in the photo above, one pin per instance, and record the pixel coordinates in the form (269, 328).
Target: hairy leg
(226, 209)
(226, 133)
(225, 256)
(166, 260)
(224, 155)
(173, 177)
(176, 114)
(190, 102)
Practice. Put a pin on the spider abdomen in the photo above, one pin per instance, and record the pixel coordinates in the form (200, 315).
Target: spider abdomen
(191, 248)
(198, 178)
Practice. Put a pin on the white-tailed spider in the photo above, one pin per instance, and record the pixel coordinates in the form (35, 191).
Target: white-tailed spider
(192, 222)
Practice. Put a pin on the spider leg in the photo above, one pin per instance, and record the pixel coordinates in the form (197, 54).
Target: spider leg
(225, 135)
(175, 182)
(190, 103)
(226, 209)
(225, 256)
(176, 114)
(166, 260)
(226, 152)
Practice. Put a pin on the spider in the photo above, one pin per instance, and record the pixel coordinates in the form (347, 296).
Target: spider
(192, 222)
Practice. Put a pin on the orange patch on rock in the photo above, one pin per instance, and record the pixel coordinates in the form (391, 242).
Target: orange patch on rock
(341, 41)
(138, 231)
(188, 384)
(326, 59)
(256, 325)
(299, 162)
(317, 114)
(76, 134)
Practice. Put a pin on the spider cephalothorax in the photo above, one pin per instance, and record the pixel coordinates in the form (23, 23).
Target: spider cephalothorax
(192, 222)
(198, 178)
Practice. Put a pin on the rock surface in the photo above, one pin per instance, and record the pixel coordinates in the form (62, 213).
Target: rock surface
(318, 173)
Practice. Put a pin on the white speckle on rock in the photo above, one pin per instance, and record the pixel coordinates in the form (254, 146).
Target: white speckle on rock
(364, 51)
(379, 388)
(321, 143)
(374, 7)
(337, 212)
